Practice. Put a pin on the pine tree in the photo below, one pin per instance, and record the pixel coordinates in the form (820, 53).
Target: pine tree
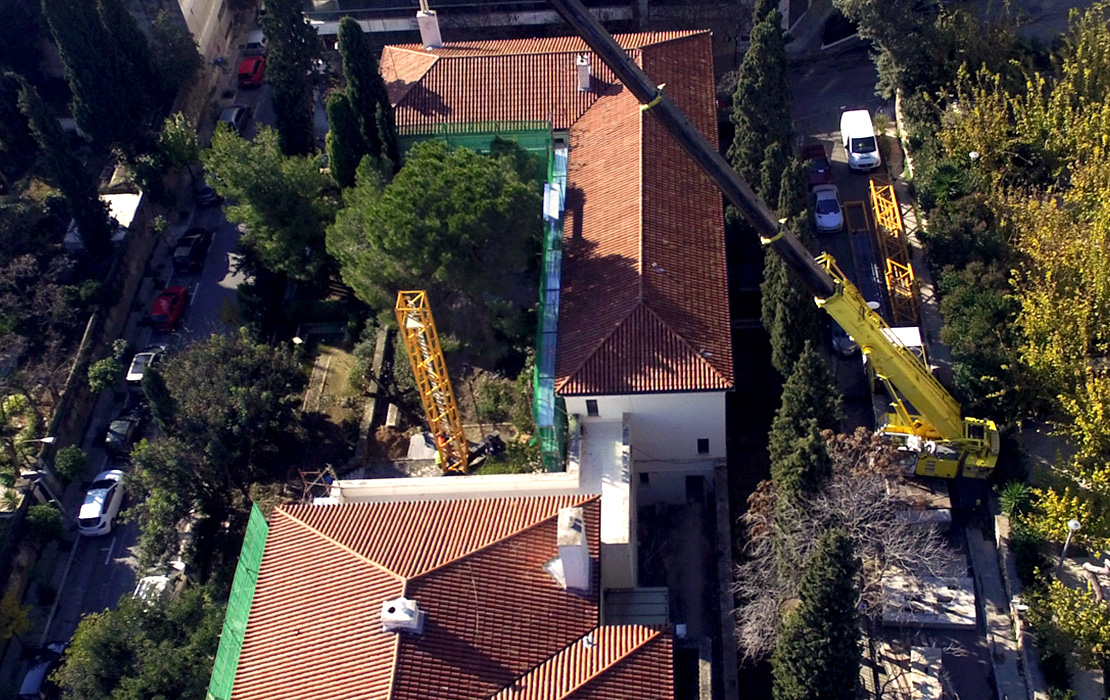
(808, 394)
(761, 104)
(67, 172)
(344, 141)
(367, 93)
(817, 656)
(293, 48)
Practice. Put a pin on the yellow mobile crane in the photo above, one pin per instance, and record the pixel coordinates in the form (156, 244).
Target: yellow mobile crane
(926, 421)
(418, 329)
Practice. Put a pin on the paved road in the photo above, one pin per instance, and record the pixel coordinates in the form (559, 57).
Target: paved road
(98, 570)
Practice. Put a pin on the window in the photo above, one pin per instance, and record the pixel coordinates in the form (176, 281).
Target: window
(591, 407)
(703, 446)
(644, 478)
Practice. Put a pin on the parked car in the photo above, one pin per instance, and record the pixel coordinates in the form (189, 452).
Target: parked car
(817, 160)
(102, 503)
(827, 210)
(252, 70)
(168, 307)
(36, 683)
(205, 196)
(147, 357)
(236, 117)
(191, 250)
(125, 429)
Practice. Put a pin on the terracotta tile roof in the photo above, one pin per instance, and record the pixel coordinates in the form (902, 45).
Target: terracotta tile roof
(585, 669)
(663, 292)
(475, 568)
(644, 302)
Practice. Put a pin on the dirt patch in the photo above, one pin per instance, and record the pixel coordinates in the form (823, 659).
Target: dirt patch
(329, 389)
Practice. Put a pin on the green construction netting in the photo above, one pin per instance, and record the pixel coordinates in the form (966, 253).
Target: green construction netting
(238, 607)
(477, 136)
(548, 409)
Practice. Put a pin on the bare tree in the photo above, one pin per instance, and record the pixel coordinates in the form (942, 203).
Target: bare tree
(862, 498)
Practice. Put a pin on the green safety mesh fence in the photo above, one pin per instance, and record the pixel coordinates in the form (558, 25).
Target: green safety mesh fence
(534, 137)
(238, 607)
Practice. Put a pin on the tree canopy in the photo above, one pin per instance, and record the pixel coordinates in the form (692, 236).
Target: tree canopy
(462, 225)
(230, 411)
(155, 649)
(284, 203)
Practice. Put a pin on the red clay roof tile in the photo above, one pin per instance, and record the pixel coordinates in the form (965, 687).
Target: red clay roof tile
(475, 568)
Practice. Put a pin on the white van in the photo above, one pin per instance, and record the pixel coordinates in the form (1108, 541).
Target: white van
(858, 136)
(256, 44)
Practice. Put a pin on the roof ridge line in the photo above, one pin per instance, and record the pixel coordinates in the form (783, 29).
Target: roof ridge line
(654, 635)
(697, 351)
(340, 545)
(588, 498)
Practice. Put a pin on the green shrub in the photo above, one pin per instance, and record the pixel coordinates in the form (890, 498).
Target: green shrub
(1025, 545)
(44, 524)
(104, 373)
(493, 400)
(70, 463)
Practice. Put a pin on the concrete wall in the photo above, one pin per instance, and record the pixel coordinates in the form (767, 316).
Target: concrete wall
(663, 427)
(210, 23)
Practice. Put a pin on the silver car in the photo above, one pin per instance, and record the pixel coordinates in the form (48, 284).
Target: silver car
(827, 210)
(236, 117)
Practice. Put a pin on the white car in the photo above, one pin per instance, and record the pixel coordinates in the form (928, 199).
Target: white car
(147, 358)
(102, 503)
(827, 210)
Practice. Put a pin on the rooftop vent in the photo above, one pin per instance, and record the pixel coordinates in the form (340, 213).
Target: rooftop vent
(402, 615)
(429, 27)
(584, 72)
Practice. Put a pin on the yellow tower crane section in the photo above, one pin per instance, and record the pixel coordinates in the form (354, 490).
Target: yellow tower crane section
(414, 316)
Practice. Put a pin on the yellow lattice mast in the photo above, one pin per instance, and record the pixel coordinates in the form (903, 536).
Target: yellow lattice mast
(414, 317)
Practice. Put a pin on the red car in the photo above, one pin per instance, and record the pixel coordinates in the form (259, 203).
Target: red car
(251, 71)
(168, 308)
(820, 170)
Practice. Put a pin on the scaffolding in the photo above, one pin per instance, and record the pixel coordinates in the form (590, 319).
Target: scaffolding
(418, 329)
(238, 607)
(532, 136)
(900, 282)
(548, 409)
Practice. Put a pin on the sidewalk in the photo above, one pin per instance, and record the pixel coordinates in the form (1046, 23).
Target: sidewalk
(994, 608)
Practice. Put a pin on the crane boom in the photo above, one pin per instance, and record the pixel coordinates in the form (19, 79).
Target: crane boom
(944, 443)
(418, 329)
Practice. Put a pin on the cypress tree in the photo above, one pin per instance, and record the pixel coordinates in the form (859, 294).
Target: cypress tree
(805, 467)
(344, 141)
(771, 171)
(808, 394)
(67, 172)
(817, 656)
(367, 93)
(17, 146)
(761, 104)
(293, 48)
(788, 313)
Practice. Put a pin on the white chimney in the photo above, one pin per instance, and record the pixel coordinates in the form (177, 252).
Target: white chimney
(429, 27)
(584, 73)
(574, 549)
(402, 615)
